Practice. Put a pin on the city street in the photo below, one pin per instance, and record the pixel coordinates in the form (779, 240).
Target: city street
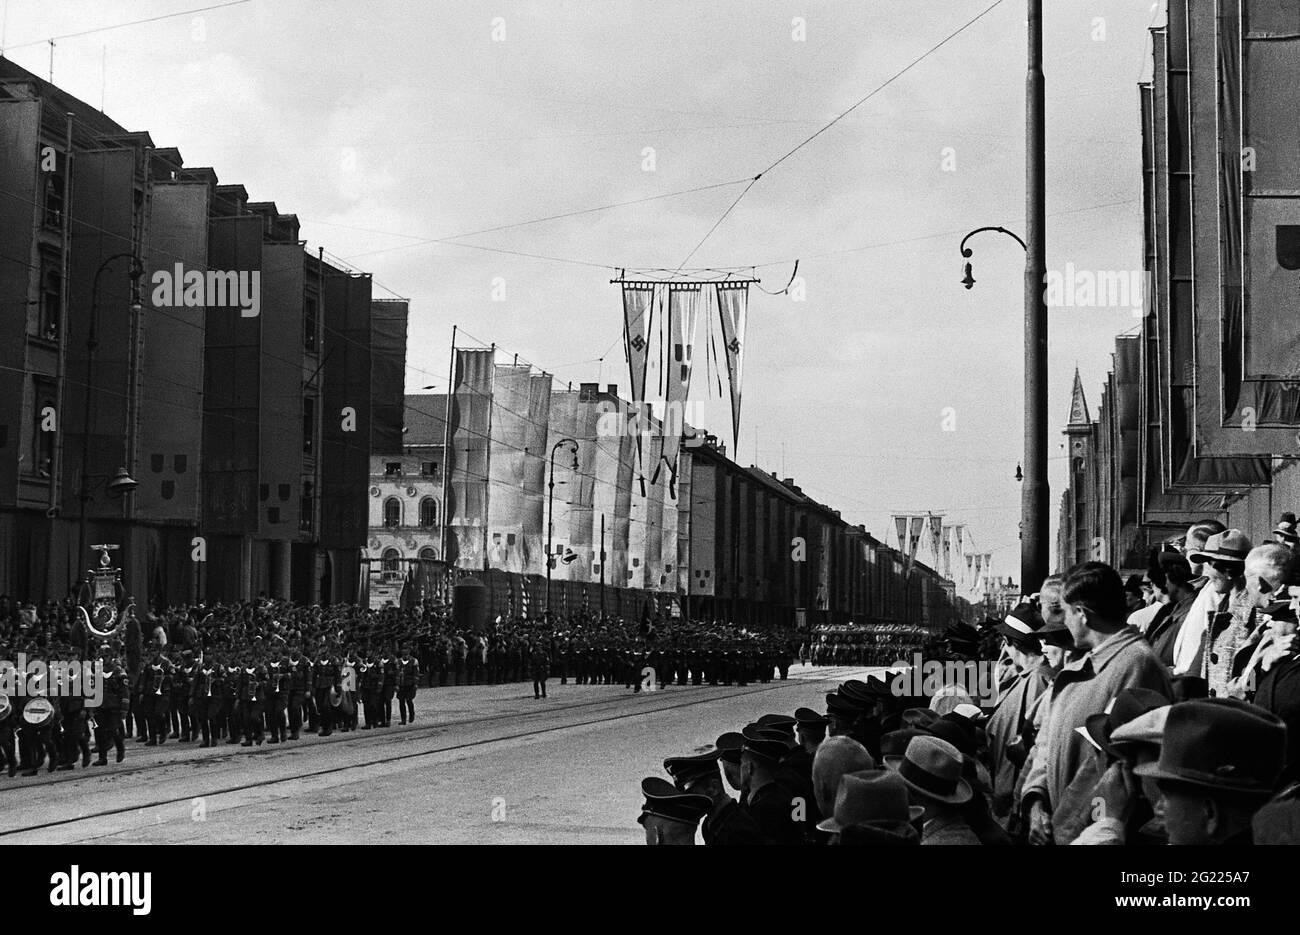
(481, 765)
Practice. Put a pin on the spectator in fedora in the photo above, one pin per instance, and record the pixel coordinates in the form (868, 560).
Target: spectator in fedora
(871, 808)
(1218, 766)
(1132, 806)
(1115, 657)
(1007, 723)
(932, 770)
(1229, 620)
(1286, 532)
(1180, 589)
(1191, 636)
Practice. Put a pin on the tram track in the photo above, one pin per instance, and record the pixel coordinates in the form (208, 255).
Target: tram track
(354, 741)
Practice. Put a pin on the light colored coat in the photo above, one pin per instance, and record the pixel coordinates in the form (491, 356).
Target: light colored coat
(1083, 687)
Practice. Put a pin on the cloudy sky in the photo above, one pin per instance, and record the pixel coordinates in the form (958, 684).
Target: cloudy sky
(390, 124)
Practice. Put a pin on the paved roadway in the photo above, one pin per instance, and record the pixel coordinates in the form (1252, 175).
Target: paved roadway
(481, 765)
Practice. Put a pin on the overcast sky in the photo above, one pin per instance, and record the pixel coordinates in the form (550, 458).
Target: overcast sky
(388, 123)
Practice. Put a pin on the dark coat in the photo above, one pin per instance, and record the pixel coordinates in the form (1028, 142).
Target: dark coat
(772, 807)
(1278, 691)
(732, 824)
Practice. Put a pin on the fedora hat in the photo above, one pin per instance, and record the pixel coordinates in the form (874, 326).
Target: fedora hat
(1286, 528)
(932, 768)
(1130, 703)
(870, 796)
(1231, 545)
(1221, 743)
(1021, 621)
(1145, 728)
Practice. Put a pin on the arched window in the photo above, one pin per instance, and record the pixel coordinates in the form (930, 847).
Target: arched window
(391, 557)
(428, 512)
(429, 554)
(392, 512)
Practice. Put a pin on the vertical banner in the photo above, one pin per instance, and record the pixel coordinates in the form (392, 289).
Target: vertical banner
(732, 304)
(467, 461)
(936, 532)
(947, 552)
(638, 299)
(683, 315)
(900, 524)
(914, 540)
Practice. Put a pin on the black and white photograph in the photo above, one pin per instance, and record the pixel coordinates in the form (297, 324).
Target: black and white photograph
(794, 423)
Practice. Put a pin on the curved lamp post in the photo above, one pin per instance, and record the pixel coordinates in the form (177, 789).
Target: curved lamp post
(121, 483)
(550, 513)
(968, 280)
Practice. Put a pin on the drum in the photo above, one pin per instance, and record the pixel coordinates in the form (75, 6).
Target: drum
(38, 712)
(336, 698)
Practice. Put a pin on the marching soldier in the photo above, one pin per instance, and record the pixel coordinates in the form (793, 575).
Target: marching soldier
(299, 690)
(182, 685)
(8, 719)
(109, 715)
(75, 718)
(206, 694)
(408, 678)
(277, 697)
(325, 681)
(253, 694)
(159, 691)
(388, 665)
(372, 682)
(232, 708)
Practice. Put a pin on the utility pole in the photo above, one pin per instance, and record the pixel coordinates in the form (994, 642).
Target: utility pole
(1034, 493)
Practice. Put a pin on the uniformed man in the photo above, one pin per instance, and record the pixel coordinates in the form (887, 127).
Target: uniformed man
(76, 719)
(727, 822)
(159, 700)
(206, 695)
(299, 690)
(182, 686)
(669, 815)
(408, 678)
(252, 692)
(277, 697)
(232, 706)
(8, 718)
(769, 800)
(325, 681)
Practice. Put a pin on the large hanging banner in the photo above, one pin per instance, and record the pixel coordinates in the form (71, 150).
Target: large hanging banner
(638, 300)
(683, 316)
(733, 301)
(914, 540)
(947, 551)
(936, 533)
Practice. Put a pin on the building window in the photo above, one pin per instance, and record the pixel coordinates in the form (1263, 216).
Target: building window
(309, 425)
(310, 324)
(51, 296)
(391, 559)
(428, 554)
(392, 512)
(53, 199)
(393, 469)
(429, 468)
(428, 512)
(306, 507)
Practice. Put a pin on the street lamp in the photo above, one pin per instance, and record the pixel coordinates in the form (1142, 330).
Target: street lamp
(550, 513)
(969, 281)
(120, 483)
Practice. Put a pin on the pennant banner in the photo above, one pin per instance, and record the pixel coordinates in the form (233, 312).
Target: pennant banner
(936, 532)
(683, 315)
(913, 540)
(900, 523)
(733, 301)
(638, 299)
(947, 552)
